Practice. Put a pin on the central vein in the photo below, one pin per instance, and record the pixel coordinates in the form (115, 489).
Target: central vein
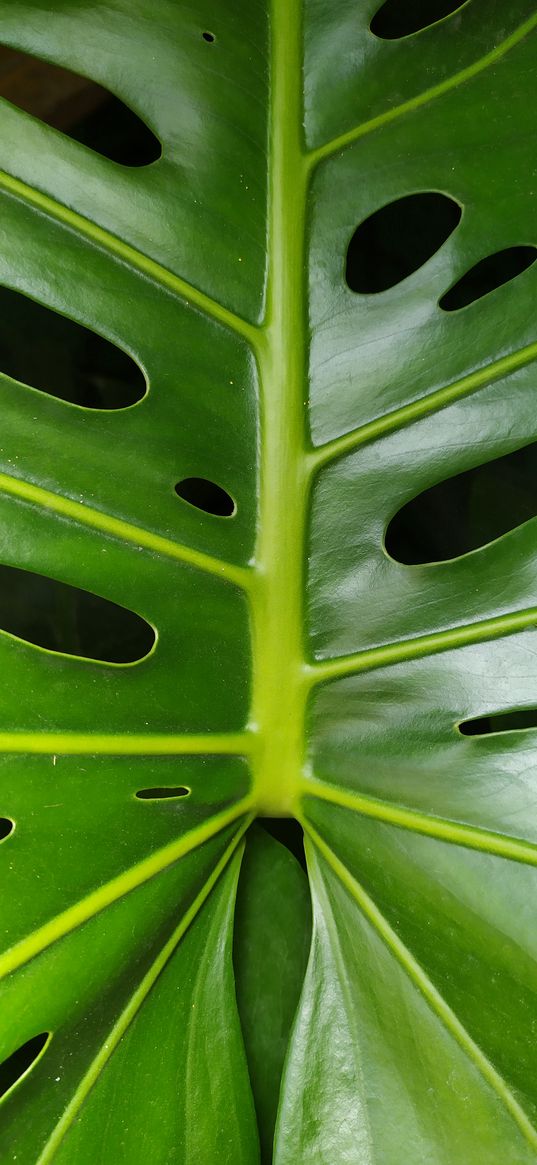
(279, 688)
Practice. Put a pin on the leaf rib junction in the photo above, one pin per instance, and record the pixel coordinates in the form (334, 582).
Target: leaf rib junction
(458, 833)
(421, 981)
(104, 896)
(125, 531)
(133, 1007)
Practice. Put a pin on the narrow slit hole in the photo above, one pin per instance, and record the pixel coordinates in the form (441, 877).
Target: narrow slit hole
(499, 722)
(487, 276)
(78, 107)
(19, 1063)
(59, 617)
(207, 496)
(163, 793)
(466, 511)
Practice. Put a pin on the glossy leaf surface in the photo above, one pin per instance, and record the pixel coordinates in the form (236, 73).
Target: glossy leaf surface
(298, 668)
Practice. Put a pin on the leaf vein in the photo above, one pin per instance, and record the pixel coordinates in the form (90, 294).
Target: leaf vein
(344, 140)
(425, 986)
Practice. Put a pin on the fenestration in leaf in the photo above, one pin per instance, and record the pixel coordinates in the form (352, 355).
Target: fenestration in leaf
(298, 669)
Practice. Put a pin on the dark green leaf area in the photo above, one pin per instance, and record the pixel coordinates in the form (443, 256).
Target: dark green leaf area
(466, 511)
(63, 618)
(398, 239)
(272, 934)
(64, 359)
(398, 18)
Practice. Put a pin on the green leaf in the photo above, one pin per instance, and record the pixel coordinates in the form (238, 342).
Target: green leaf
(298, 669)
(272, 935)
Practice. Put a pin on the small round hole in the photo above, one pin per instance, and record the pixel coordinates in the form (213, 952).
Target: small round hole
(159, 794)
(208, 36)
(6, 827)
(206, 495)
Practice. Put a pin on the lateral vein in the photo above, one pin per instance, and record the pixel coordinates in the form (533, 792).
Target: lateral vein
(125, 531)
(425, 986)
(353, 135)
(424, 407)
(123, 744)
(455, 832)
(127, 254)
(33, 944)
(134, 1005)
(345, 665)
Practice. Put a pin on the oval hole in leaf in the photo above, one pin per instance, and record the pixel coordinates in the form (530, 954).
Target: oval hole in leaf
(80, 108)
(64, 359)
(160, 794)
(209, 37)
(16, 1065)
(487, 275)
(466, 511)
(6, 827)
(398, 239)
(206, 495)
(500, 722)
(63, 618)
(398, 18)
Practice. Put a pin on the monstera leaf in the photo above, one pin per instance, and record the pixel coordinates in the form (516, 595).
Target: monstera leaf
(326, 280)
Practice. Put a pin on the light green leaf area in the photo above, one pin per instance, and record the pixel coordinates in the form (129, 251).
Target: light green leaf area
(298, 669)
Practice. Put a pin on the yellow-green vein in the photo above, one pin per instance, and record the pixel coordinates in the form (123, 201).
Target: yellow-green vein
(277, 610)
(35, 495)
(424, 407)
(501, 845)
(421, 981)
(122, 744)
(353, 135)
(130, 879)
(127, 254)
(407, 649)
(130, 1011)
